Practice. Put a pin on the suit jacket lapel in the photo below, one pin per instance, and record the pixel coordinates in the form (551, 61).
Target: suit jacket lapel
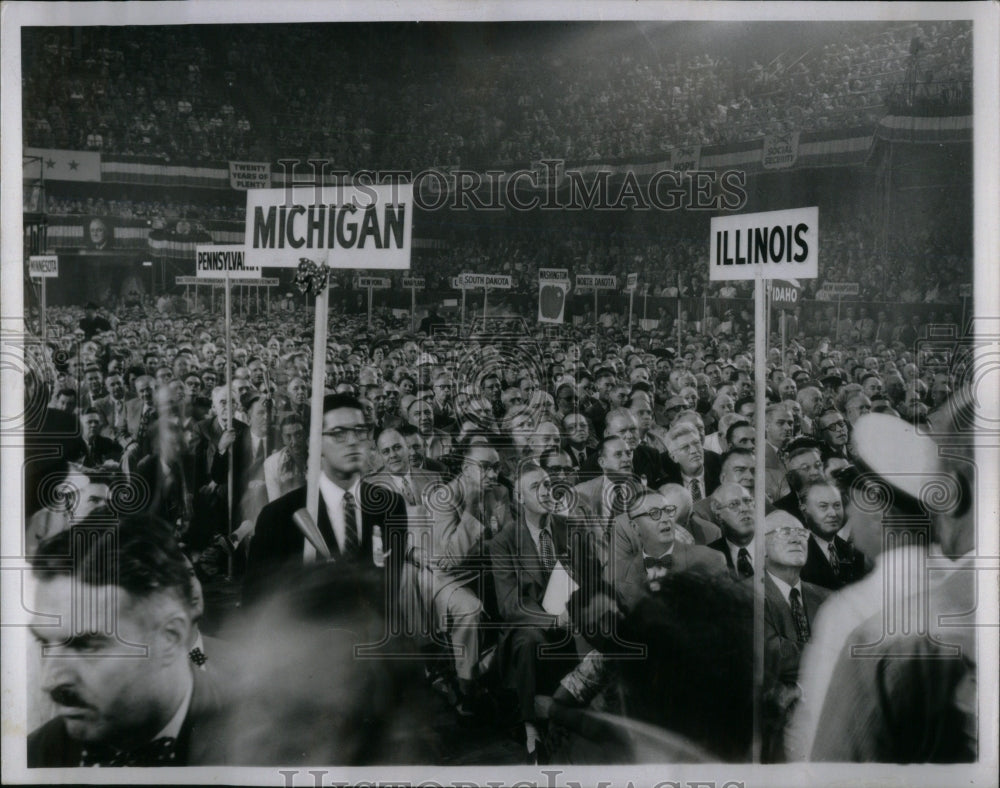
(782, 613)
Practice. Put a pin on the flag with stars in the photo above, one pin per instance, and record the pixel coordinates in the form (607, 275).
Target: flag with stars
(61, 165)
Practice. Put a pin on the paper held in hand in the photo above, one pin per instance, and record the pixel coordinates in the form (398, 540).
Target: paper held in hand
(558, 591)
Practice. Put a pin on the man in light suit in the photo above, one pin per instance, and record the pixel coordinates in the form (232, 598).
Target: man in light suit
(778, 427)
(653, 518)
(415, 584)
(467, 513)
(112, 407)
(606, 495)
(790, 607)
(285, 469)
(354, 516)
(398, 473)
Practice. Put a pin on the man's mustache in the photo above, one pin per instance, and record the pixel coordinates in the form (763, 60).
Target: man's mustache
(64, 696)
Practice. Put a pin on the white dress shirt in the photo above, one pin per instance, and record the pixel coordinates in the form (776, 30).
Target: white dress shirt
(786, 590)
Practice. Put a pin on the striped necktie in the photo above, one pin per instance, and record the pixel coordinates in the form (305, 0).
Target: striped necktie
(351, 544)
(548, 553)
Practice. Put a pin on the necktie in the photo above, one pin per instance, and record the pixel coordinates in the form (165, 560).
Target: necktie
(799, 616)
(411, 499)
(546, 549)
(351, 545)
(619, 499)
(147, 414)
(90, 461)
(665, 561)
(743, 565)
(159, 752)
(696, 490)
(834, 559)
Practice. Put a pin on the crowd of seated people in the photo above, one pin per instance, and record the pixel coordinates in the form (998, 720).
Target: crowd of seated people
(460, 474)
(177, 97)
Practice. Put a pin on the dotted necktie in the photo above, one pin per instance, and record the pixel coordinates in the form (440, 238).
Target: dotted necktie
(197, 656)
(546, 549)
(743, 565)
(799, 616)
(159, 752)
(351, 545)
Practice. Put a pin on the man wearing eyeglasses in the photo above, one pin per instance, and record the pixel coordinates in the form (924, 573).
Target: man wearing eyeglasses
(467, 513)
(653, 518)
(790, 607)
(834, 432)
(737, 467)
(443, 403)
(733, 509)
(354, 515)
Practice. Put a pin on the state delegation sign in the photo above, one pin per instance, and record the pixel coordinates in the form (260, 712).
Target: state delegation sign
(777, 244)
(553, 284)
(367, 227)
(213, 262)
(596, 282)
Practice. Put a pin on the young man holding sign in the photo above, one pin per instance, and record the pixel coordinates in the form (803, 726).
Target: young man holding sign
(359, 523)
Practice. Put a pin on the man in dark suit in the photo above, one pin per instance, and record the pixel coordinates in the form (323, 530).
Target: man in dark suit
(652, 517)
(536, 646)
(140, 418)
(646, 463)
(418, 451)
(736, 467)
(93, 449)
(246, 446)
(790, 607)
(359, 523)
(597, 412)
(733, 509)
(150, 708)
(805, 466)
(833, 562)
(690, 466)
